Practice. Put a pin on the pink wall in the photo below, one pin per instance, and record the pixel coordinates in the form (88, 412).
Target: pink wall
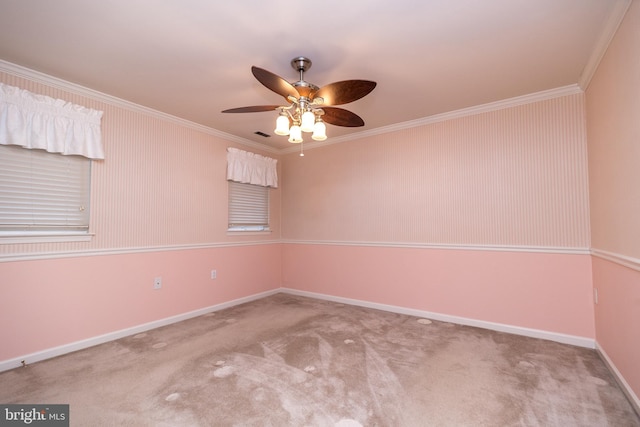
(617, 316)
(613, 128)
(53, 302)
(158, 200)
(162, 182)
(353, 216)
(510, 177)
(548, 292)
(515, 176)
(510, 183)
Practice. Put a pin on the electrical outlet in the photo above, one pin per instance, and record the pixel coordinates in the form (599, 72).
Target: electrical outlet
(157, 283)
(214, 274)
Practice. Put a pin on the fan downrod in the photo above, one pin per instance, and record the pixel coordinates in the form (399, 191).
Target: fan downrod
(301, 64)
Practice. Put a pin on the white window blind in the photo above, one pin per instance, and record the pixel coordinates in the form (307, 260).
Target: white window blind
(248, 207)
(43, 193)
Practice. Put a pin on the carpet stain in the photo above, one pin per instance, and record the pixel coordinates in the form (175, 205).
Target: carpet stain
(526, 365)
(347, 423)
(223, 372)
(597, 381)
(172, 397)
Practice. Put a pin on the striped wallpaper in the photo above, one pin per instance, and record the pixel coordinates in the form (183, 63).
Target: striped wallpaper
(162, 184)
(516, 176)
(512, 177)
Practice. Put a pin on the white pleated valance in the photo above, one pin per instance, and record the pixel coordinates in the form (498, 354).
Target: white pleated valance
(57, 126)
(251, 168)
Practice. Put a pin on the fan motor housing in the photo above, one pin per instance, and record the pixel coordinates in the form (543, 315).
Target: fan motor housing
(301, 63)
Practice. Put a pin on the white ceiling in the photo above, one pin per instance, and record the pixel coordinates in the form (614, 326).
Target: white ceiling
(193, 58)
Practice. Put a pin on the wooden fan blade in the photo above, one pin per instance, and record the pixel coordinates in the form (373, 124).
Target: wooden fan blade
(274, 82)
(344, 92)
(252, 109)
(341, 117)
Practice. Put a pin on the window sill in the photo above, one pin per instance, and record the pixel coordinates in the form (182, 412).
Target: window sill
(44, 238)
(246, 232)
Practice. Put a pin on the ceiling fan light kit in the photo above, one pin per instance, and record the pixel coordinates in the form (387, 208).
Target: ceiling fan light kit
(309, 106)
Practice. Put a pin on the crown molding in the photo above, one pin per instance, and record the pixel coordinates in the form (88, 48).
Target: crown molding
(464, 112)
(55, 82)
(608, 32)
(38, 77)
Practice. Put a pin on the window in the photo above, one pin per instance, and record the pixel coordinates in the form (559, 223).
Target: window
(42, 193)
(248, 207)
(250, 176)
(46, 147)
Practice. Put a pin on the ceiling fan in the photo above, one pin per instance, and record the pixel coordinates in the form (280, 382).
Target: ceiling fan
(309, 106)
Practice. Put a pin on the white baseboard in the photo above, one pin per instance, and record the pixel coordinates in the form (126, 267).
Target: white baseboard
(624, 385)
(5, 365)
(90, 342)
(534, 333)
(516, 330)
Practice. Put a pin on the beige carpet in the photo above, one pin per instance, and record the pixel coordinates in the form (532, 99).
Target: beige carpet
(291, 361)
